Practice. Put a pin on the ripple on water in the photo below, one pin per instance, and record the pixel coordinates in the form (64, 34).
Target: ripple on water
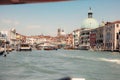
(51, 65)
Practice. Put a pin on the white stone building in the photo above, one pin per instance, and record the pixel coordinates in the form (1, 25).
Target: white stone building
(76, 38)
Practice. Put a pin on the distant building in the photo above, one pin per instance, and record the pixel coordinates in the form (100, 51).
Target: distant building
(5, 35)
(12, 34)
(60, 32)
(9, 35)
(30, 40)
(76, 38)
(69, 39)
(61, 38)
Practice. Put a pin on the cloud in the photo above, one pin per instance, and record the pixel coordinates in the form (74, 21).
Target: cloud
(10, 22)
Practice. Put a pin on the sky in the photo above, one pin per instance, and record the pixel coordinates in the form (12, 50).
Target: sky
(46, 18)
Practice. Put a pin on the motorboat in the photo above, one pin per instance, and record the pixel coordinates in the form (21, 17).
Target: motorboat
(50, 48)
(24, 47)
(83, 47)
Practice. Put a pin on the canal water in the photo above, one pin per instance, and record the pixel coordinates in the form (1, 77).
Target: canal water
(53, 65)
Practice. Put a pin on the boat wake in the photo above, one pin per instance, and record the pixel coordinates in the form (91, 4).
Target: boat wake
(69, 78)
(117, 61)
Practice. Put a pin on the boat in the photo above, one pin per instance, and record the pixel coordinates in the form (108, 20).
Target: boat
(39, 48)
(68, 47)
(2, 51)
(24, 47)
(9, 49)
(50, 48)
(83, 47)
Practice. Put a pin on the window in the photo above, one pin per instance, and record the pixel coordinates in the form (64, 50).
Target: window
(117, 25)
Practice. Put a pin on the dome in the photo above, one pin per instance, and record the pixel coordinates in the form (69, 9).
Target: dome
(90, 23)
(63, 33)
(13, 30)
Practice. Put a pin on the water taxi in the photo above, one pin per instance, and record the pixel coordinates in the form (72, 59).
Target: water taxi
(24, 47)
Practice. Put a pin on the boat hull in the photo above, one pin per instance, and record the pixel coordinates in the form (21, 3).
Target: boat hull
(1, 52)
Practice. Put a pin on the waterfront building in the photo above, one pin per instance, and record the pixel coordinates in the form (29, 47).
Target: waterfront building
(99, 38)
(93, 39)
(2, 38)
(18, 39)
(12, 34)
(30, 40)
(85, 38)
(69, 40)
(76, 38)
(5, 35)
(61, 38)
(61, 41)
(88, 24)
(111, 36)
(9, 35)
(96, 37)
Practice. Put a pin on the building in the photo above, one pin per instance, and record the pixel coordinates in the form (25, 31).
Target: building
(61, 38)
(93, 38)
(88, 24)
(111, 36)
(2, 38)
(12, 34)
(60, 32)
(99, 38)
(85, 38)
(5, 35)
(76, 38)
(69, 41)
